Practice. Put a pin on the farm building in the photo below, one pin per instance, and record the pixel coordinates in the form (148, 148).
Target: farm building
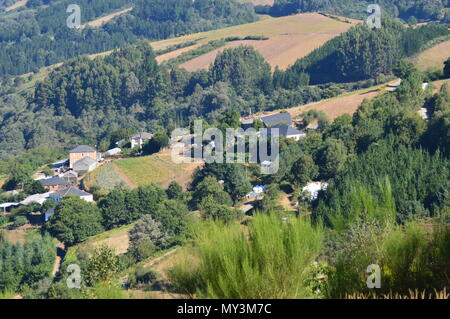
(5, 207)
(72, 191)
(112, 152)
(275, 119)
(138, 140)
(85, 165)
(81, 152)
(54, 183)
(37, 198)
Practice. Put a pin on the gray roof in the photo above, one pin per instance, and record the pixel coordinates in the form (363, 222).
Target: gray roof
(54, 181)
(83, 149)
(277, 119)
(284, 130)
(83, 164)
(142, 135)
(72, 191)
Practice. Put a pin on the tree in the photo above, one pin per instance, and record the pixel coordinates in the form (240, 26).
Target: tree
(74, 221)
(447, 68)
(174, 191)
(159, 141)
(304, 170)
(148, 229)
(114, 209)
(332, 158)
(212, 188)
(222, 213)
(103, 266)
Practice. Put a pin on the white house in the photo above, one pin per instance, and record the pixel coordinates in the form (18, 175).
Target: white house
(113, 151)
(314, 188)
(138, 140)
(59, 195)
(36, 198)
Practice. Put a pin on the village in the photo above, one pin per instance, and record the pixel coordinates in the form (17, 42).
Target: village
(68, 173)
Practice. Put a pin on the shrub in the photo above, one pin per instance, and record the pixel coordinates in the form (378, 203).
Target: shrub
(273, 261)
(19, 221)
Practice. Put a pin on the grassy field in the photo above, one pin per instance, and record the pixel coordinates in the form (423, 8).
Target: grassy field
(116, 238)
(290, 38)
(158, 168)
(137, 171)
(434, 57)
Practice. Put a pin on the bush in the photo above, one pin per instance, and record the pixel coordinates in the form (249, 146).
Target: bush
(273, 261)
(19, 221)
(141, 278)
(3, 220)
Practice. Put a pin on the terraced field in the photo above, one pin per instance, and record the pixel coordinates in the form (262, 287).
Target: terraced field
(137, 171)
(290, 38)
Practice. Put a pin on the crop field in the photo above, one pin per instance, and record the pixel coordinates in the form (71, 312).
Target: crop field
(290, 38)
(434, 57)
(157, 168)
(138, 171)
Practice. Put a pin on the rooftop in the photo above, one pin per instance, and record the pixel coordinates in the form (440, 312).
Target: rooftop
(54, 181)
(278, 118)
(72, 191)
(83, 149)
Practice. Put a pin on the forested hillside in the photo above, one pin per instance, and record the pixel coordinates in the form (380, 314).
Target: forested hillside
(411, 10)
(87, 100)
(360, 54)
(38, 36)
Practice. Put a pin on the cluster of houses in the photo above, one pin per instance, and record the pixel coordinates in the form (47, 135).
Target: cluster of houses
(82, 159)
(281, 121)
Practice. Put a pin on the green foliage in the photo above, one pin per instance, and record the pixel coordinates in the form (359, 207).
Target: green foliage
(273, 262)
(209, 191)
(103, 266)
(174, 191)
(19, 221)
(74, 221)
(417, 179)
(146, 236)
(25, 264)
(408, 257)
(141, 277)
(222, 213)
(122, 207)
(447, 68)
(304, 170)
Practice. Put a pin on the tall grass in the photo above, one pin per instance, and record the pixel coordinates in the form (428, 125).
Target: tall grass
(270, 259)
(410, 259)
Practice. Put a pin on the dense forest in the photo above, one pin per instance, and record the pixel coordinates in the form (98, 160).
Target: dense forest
(410, 10)
(39, 37)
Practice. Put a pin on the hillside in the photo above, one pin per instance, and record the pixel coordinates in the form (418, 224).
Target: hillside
(133, 172)
(433, 57)
(290, 38)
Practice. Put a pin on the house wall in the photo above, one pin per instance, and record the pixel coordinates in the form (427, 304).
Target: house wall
(54, 188)
(73, 157)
